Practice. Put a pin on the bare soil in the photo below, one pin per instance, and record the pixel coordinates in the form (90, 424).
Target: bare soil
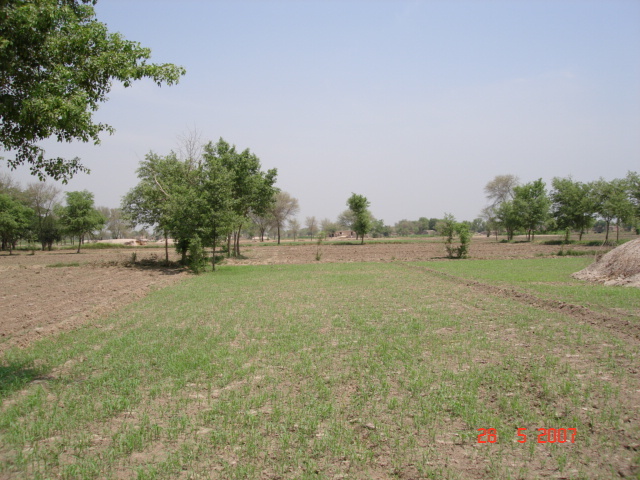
(373, 251)
(39, 296)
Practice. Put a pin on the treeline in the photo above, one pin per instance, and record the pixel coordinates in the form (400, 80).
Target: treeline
(215, 195)
(569, 206)
(38, 215)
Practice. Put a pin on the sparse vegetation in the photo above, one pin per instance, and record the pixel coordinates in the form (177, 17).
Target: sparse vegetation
(64, 264)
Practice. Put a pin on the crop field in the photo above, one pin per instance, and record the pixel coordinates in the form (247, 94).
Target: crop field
(407, 368)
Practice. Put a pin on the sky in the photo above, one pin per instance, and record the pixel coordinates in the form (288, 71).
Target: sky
(414, 104)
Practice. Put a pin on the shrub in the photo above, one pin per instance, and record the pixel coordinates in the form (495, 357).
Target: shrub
(451, 229)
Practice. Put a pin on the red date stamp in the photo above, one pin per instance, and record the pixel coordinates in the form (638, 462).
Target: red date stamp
(545, 435)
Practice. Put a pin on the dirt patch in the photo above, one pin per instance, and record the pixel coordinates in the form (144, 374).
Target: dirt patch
(50, 292)
(621, 266)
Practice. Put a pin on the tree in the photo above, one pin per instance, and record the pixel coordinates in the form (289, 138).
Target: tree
(478, 225)
(15, 219)
(8, 185)
(489, 215)
(508, 218)
(404, 228)
(252, 190)
(347, 219)
(58, 65)
(312, 225)
(633, 188)
(262, 222)
(358, 204)
(294, 227)
(498, 191)
(573, 204)
(501, 189)
(43, 199)
(80, 217)
(449, 229)
(149, 203)
(217, 183)
(422, 226)
(328, 227)
(116, 224)
(612, 202)
(531, 204)
(379, 229)
(285, 206)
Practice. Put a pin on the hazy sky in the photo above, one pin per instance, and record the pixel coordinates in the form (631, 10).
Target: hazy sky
(414, 104)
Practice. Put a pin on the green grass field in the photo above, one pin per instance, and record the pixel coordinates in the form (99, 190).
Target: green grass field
(334, 371)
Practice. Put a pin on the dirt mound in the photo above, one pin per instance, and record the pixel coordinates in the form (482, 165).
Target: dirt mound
(621, 266)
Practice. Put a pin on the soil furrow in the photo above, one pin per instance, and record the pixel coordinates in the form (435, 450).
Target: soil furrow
(618, 325)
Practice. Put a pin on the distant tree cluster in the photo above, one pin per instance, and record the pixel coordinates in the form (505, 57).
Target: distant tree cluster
(570, 206)
(205, 200)
(36, 215)
(422, 226)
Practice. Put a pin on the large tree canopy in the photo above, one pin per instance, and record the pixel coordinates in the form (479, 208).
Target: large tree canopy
(57, 65)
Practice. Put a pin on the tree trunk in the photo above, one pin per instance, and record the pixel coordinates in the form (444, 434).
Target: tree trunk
(278, 234)
(79, 243)
(235, 243)
(228, 245)
(166, 249)
(237, 247)
(213, 256)
(606, 237)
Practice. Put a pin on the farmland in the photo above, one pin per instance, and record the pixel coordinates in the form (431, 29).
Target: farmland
(378, 361)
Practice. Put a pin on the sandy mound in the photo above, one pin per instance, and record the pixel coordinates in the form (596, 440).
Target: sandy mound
(621, 266)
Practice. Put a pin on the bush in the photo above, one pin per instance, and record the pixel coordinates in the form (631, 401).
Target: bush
(449, 228)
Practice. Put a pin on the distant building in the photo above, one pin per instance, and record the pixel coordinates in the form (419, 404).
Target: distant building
(343, 234)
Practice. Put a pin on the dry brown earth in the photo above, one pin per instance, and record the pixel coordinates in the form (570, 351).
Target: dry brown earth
(39, 297)
(481, 248)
